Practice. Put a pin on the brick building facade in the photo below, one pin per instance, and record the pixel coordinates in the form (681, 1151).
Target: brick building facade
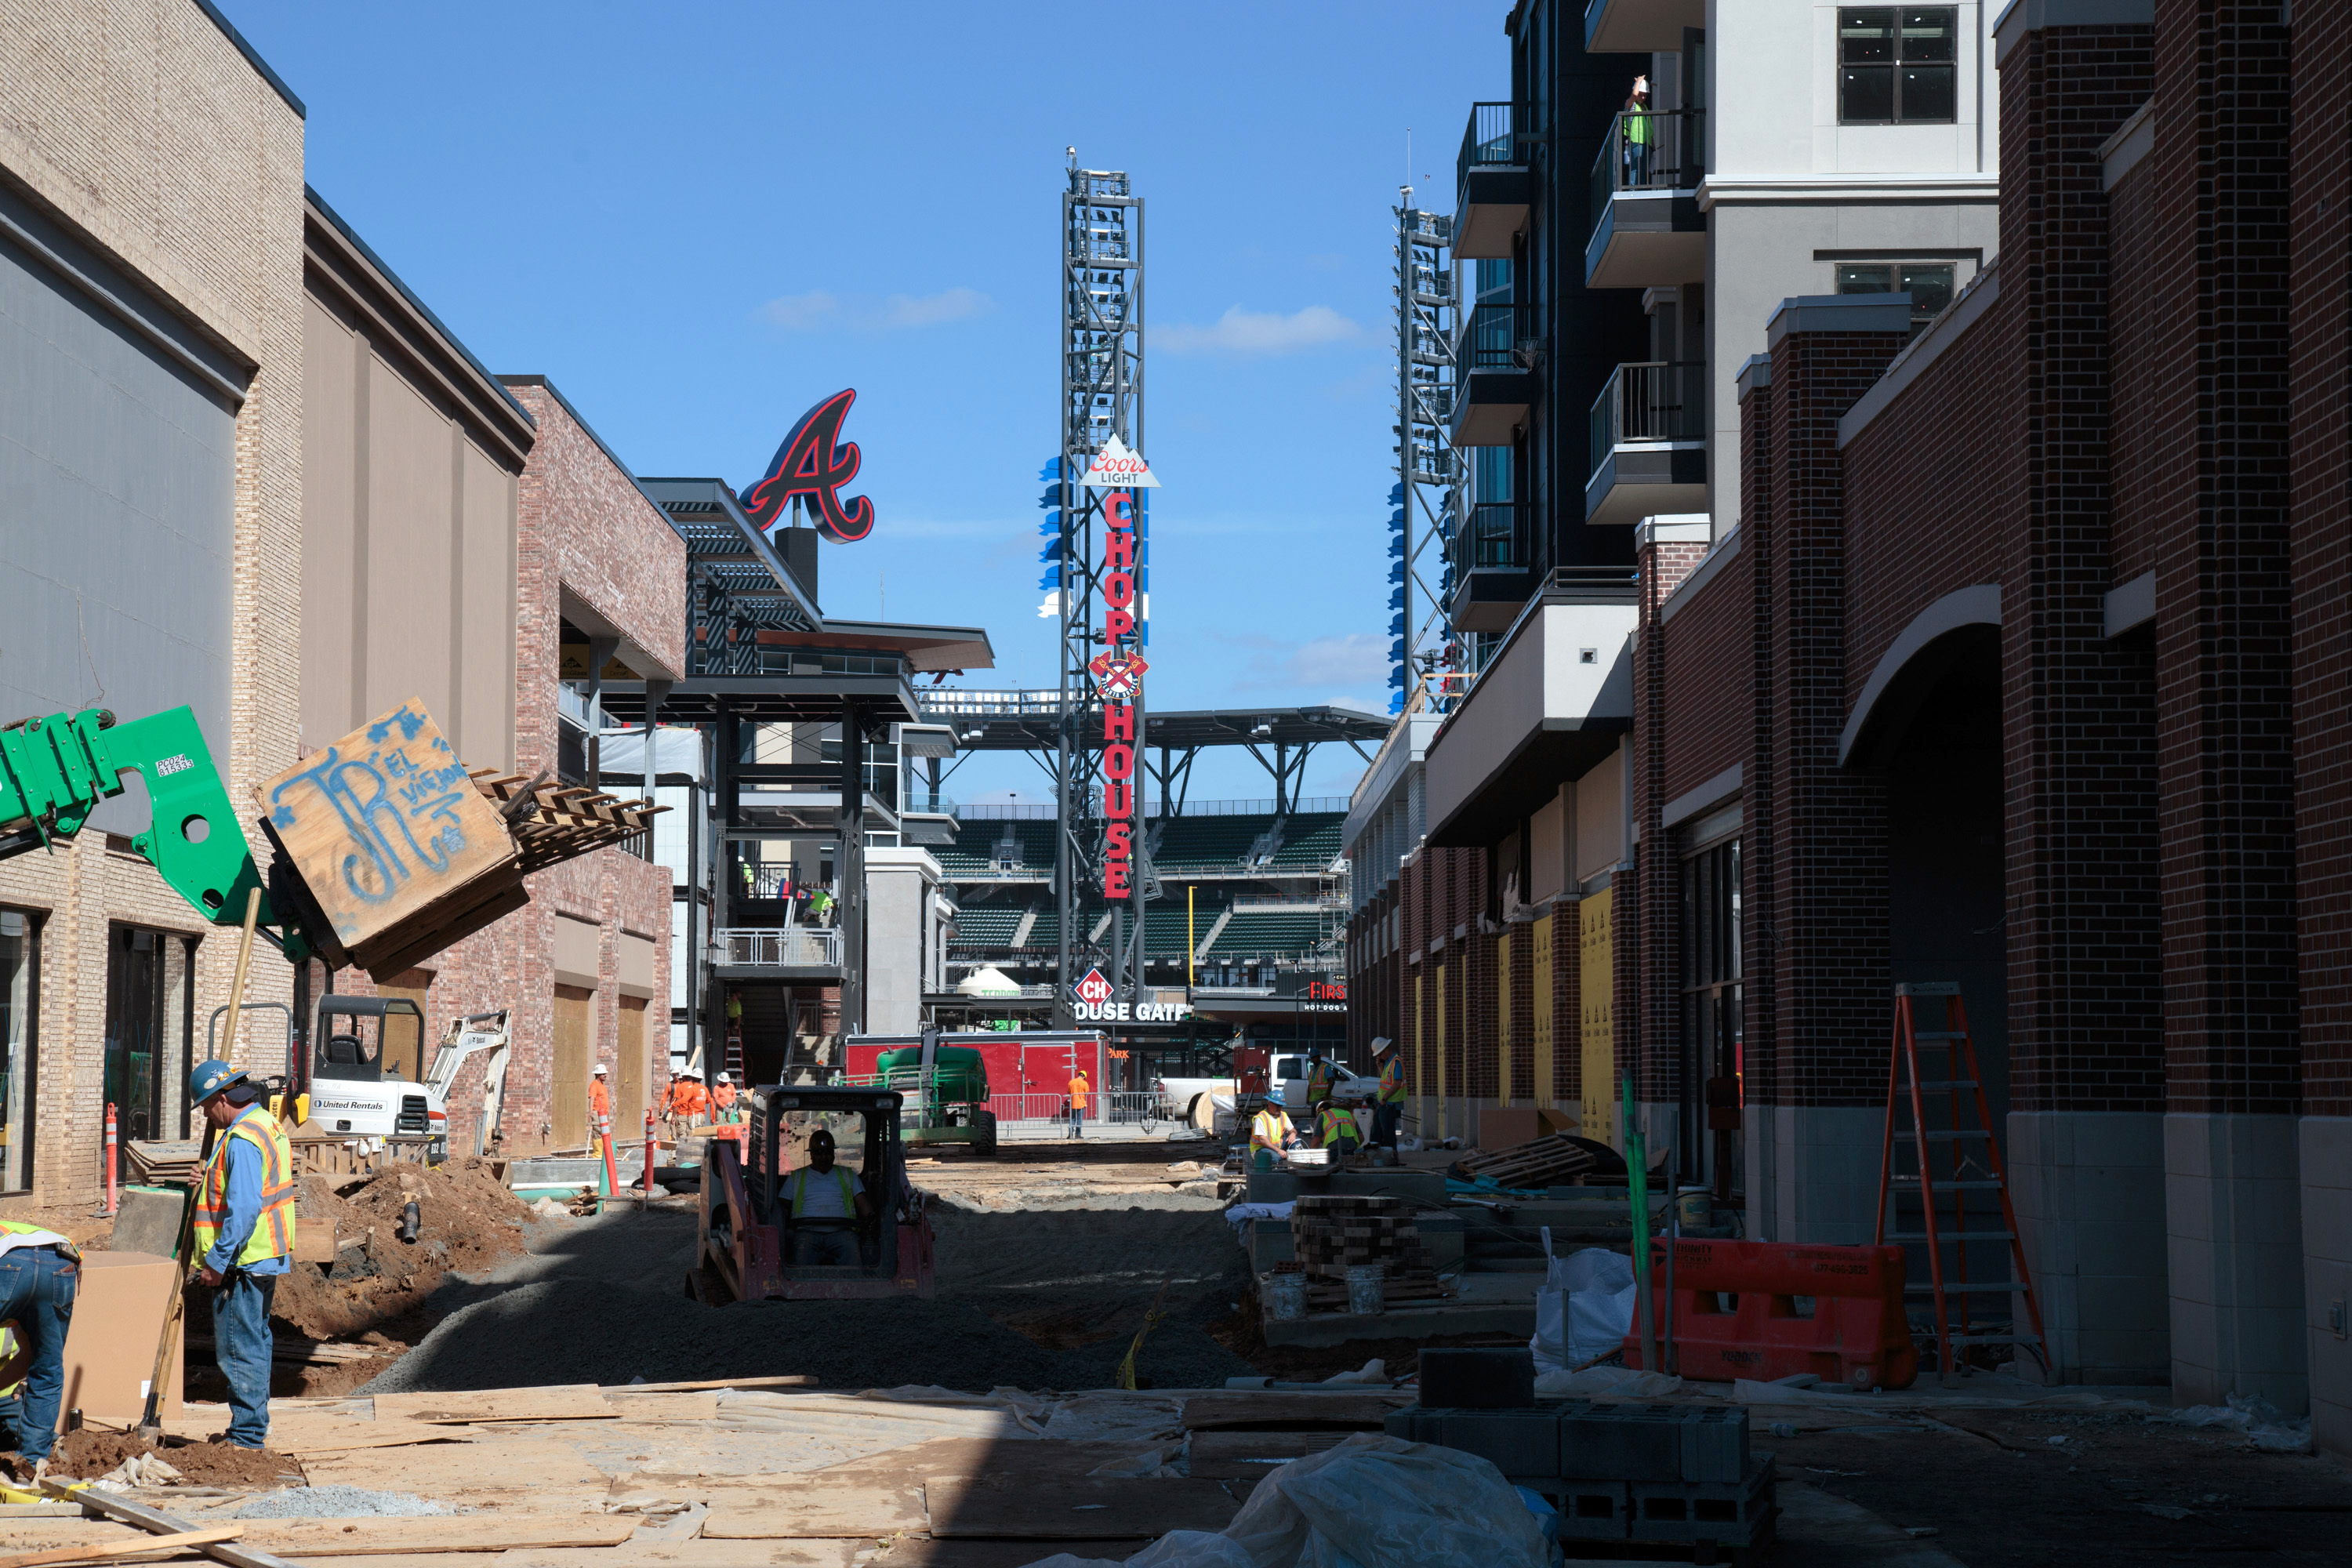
(2039, 619)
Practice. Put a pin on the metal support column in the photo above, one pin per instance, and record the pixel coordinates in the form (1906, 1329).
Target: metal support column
(850, 866)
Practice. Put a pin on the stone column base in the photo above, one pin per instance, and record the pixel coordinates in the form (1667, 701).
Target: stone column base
(2232, 1200)
(2326, 1149)
(1812, 1173)
(2085, 1185)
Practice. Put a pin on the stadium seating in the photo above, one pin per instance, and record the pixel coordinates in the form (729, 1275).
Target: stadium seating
(1311, 842)
(1249, 934)
(988, 925)
(1208, 843)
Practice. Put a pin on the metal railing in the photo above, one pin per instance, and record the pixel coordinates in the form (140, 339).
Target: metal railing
(1646, 150)
(1496, 535)
(1493, 138)
(778, 947)
(1500, 337)
(1657, 401)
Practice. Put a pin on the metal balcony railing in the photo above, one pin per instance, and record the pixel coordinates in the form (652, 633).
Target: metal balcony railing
(1650, 401)
(1497, 536)
(1646, 150)
(1500, 337)
(778, 947)
(1493, 138)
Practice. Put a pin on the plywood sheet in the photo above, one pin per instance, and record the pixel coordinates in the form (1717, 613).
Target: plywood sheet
(1077, 1511)
(476, 1533)
(1236, 1455)
(796, 1509)
(445, 1470)
(836, 1553)
(633, 1405)
(384, 823)
(1036, 1461)
(1242, 1409)
(560, 1402)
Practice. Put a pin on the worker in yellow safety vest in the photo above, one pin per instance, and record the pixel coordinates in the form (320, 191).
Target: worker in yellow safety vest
(827, 1203)
(1319, 1078)
(243, 1236)
(39, 1272)
(1270, 1134)
(1387, 1100)
(1335, 1130)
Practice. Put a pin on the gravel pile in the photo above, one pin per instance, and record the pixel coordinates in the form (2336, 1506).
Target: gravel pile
(569, 1331)
(333, 1502)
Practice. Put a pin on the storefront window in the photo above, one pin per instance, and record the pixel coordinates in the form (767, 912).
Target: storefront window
(1711, 1004)
(19, 997)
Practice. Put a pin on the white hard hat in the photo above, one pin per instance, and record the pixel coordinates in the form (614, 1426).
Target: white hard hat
(1382, 1042)
(600, 1070)
(724, 1079)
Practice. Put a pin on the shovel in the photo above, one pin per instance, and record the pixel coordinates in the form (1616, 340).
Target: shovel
(150, 1419)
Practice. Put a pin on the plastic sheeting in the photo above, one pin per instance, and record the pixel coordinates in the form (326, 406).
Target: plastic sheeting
(1371, 1502)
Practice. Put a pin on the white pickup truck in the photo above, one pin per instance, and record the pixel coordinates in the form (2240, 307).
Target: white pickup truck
(1180, 1098)
(1290, 1082)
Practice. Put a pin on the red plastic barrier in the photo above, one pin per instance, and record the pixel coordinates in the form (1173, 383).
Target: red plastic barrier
(1735, 1312)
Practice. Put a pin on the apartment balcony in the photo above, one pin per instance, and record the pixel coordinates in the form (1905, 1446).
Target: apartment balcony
(1492, 555)
(1640, 26)
(1647, 231)
(1649, 444)
(1493, 182)
(1495, 373)
(1550, 704)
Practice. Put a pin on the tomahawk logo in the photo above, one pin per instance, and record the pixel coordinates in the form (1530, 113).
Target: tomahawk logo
(812, 465)
(1094, 990)
(1121, 674)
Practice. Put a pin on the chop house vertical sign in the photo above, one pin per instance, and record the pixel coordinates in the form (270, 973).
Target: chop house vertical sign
(1118, 668)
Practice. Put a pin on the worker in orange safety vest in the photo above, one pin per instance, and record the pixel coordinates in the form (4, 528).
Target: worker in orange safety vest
(600, 1109)
(722, 1100)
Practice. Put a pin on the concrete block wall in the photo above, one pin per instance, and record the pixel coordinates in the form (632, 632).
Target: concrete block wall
(145, 130)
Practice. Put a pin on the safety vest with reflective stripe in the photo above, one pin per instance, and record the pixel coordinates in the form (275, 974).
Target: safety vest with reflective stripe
(1318, 1079)
(1270, 1128)
(273, 1232)
(800, 1192)
(1336, 1124)
(1391, 1079)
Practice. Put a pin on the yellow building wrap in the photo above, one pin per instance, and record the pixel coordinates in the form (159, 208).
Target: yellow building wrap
(1440, 1010)
(1541, 1000)
(1596, 972)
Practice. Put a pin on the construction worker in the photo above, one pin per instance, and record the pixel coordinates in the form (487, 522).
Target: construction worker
(1318, 1076)
(244, 1237)
(600, 1111)
(827, 1204)
(1387, 1100)
(820, 907)
(40, 1273)
(1335, 1129)
(1270, 1133)
(1078, 1090)
(722, 1100)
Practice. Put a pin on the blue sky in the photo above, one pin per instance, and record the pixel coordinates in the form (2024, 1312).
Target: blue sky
(699, 219)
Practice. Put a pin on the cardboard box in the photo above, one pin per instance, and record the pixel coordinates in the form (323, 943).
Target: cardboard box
(1500, 1129)
(111, 1348)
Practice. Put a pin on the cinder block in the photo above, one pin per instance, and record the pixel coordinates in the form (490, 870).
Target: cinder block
(1592, 1511)
(1734, 1514)
(1715, 1445)
(1621, 1443)
(1477, 1379)
(1522, 1444)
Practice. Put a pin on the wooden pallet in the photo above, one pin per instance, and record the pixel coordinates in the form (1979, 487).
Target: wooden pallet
(1546, 1162)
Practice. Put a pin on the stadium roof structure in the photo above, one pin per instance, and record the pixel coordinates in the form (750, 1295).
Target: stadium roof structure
(1031, 721)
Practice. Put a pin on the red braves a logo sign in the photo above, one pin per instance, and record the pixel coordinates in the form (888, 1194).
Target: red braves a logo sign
(812, 466)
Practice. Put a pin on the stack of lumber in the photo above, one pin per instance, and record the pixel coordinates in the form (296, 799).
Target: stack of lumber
(390, 849)
(1554, 1161)
(161, 1164)
(1336, 1232)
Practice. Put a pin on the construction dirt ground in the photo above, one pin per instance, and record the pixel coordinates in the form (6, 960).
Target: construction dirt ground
(543, 1389)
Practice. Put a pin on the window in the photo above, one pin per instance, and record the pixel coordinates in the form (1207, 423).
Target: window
(1712, 1029)
(20, 961)
(1897, 64)
(1929, 284)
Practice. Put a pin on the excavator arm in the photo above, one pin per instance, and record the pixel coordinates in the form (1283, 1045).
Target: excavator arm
(56, 769)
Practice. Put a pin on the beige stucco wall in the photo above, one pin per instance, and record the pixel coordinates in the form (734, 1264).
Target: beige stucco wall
(138, 124)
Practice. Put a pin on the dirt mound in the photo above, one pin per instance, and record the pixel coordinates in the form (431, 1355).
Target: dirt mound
(467, 1220)
(94, 1451)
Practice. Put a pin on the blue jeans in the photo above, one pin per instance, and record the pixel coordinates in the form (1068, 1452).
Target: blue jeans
(831, 1248)
(1385, 1117)
(36, 1289)
(242, 1345)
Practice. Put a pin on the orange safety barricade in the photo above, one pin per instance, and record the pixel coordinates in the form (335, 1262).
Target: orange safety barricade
(1735, 1313)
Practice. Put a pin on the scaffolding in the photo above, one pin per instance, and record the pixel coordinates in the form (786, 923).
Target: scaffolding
(1102, 400)
(1424, 503)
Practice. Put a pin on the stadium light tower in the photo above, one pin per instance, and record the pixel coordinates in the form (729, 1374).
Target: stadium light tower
(1102, 406)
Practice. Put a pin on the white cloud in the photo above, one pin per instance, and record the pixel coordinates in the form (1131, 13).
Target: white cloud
(1350, 660)
(1240, 332)
(825, 311)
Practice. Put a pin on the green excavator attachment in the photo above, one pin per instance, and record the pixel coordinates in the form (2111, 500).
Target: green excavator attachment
(56, 769)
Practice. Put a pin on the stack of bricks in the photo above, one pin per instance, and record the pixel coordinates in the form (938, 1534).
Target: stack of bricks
(1335, 1234)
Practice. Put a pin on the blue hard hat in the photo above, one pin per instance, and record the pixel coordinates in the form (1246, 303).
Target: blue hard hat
(209, 1078)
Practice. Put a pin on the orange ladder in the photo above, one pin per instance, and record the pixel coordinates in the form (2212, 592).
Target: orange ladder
(1972, 1163)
